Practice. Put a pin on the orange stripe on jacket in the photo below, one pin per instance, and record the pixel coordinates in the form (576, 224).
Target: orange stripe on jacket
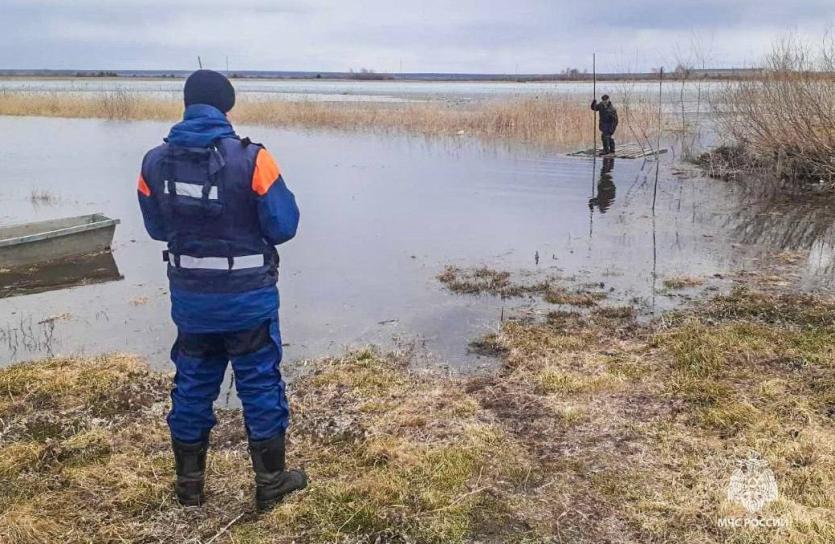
(143, 187)
(265, 174)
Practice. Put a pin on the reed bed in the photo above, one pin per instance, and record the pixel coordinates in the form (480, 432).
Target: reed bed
(553, 121)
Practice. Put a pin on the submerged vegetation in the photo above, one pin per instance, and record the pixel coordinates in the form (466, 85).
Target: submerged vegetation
(42, 196)
(556, 121)
(595, 429)
(484, 280)
(682, 282)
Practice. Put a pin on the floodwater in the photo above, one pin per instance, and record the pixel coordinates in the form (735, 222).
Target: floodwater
(381, 217)
(674, 92)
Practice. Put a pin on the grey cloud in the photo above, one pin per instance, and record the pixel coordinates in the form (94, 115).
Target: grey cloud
(699, 14)
(432, 35)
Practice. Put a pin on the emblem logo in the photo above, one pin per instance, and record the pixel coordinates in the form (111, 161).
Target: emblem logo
(752, 485)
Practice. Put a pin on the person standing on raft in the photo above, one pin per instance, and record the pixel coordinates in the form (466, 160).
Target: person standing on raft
(608, 122)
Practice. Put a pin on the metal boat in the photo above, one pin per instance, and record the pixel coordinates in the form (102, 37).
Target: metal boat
(32, 244)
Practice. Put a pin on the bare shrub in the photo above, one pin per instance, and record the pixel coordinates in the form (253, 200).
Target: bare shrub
(117, 104)
(784, 115)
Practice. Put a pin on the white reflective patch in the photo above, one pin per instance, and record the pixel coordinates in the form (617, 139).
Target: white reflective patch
(187, 189)
(210, 263)
(248, 261)
(221, 263)
(190, 190)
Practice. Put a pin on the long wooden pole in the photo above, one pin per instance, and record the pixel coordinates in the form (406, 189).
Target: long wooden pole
(593, 146)
(594, 96)
(660, 97)
(658, 145)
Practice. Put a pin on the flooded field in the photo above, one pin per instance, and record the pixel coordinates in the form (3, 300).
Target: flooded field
(381, 218)
(370, 91)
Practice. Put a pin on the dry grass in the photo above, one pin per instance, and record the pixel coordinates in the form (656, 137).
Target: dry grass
(109, 105)
(555, 121)
(596, 429)
(644, 425)
(84, 458)
(485, 280)
(682, 282)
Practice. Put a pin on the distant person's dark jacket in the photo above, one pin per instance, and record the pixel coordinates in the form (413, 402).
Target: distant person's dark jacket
(608, 115)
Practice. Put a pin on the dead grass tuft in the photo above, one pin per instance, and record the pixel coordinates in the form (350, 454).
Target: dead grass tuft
(484, 280)
(682, 282)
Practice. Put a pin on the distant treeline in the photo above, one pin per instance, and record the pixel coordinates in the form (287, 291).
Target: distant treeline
(96, 74)
(366, 74)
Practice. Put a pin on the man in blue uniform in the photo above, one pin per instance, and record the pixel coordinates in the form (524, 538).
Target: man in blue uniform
(222, 206)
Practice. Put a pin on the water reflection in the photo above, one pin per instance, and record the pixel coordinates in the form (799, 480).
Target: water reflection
(798, 223)
(63, 274)
(605, 187)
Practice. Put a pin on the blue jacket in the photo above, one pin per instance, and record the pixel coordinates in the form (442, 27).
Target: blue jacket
(222, 205)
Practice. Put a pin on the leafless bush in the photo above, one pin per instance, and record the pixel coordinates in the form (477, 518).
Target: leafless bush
(691, 64)
(117, 104)
(637, 111)
(784, 115)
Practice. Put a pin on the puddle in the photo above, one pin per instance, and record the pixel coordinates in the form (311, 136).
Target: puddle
(381, 218)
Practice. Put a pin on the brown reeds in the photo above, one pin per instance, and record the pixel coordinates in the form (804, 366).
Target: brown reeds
(554, 121)
(784, 116)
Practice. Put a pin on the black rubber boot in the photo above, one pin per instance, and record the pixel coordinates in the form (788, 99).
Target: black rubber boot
(272, 482)
(190, 462)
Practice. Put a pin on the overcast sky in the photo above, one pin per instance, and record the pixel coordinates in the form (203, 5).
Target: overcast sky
(528, 36)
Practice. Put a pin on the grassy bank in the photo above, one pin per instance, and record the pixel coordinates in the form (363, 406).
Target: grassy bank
(554, 121)
(595, 429)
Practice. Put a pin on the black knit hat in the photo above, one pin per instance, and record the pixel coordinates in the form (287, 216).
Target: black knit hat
(209, 87)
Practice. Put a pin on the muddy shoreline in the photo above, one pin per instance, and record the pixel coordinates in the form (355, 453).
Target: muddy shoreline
(596, 428)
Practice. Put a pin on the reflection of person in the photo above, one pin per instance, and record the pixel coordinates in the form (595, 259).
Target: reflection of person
(221, 204)
(608, 122)
(605, 187)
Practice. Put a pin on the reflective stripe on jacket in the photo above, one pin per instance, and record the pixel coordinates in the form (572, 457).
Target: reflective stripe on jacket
(209, 204)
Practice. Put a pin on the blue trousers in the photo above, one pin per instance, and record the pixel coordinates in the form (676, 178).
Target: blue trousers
(201, 359)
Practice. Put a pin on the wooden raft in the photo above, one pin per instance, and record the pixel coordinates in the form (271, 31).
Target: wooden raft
(623, 151)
